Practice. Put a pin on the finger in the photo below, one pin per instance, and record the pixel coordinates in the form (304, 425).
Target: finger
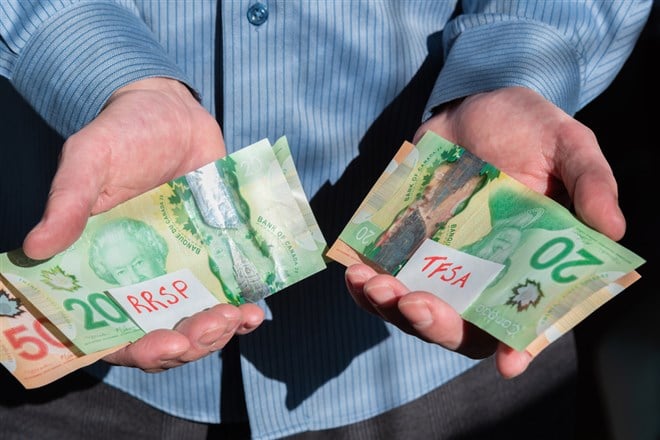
(156, 351)
(411, 312)
(62, 223)
(251, 317)
(384, 293)
(590, 182)
(420, 314)
(511, 363)
(597, 205)
(209, 330)
(74, 191)
(436, 321)
(193, 338)
(356, 276)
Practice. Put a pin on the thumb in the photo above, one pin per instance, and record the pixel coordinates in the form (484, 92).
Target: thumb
(73, 193)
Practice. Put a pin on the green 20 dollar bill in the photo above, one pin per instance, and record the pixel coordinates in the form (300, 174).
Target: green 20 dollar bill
(233, 231)
(512, 261)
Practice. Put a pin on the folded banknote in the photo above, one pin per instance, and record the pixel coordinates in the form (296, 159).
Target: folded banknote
(236, 230)
(511, 261)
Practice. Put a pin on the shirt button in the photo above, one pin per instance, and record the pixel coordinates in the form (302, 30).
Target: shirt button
(257, 14)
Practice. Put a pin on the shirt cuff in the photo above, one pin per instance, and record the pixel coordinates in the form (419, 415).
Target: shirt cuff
(73, 63)
(493, 56)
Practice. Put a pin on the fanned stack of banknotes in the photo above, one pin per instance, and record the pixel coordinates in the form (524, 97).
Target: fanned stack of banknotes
(513, 262)
(233, 231)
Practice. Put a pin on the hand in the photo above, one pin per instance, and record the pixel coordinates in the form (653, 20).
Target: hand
(535, 142)
(150, 132)
(193, 338)
(429, 318)
(532, 140)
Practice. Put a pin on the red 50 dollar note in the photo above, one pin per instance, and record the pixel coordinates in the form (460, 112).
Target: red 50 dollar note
(29, 347)
(236, 230)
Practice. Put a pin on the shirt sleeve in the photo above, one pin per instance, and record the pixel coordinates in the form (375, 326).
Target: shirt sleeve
(67, 57)
(568, 51)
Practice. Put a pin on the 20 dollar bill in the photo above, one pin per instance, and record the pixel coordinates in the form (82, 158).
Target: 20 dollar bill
(236, 230)
(513, 262)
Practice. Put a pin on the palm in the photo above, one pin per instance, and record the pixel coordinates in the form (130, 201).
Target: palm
(163, 136)
(526, 136)
(535, 142)
(149, 133)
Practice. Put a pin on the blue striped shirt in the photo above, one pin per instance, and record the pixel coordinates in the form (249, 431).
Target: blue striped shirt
(335, 77)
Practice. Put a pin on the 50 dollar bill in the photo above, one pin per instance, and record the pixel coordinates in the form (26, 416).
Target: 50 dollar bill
(237, 230)
(512, 261)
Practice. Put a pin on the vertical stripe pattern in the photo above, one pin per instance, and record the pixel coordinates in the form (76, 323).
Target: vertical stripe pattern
(346, 82)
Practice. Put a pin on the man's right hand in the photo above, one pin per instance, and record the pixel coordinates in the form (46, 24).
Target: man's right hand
(150, 132)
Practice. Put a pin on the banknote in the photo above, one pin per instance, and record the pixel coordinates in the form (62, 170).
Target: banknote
(254, 220)
(512, 261)
(234, 231)
(31, 349)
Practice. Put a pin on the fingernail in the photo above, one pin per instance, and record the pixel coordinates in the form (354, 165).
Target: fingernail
(358, 273)
(379, 294)
(418, 313)
(355, 276)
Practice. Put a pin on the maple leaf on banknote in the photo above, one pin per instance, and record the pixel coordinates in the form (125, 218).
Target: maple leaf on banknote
(514, 262)
(181, 192)
(9, 306)
(525, 295)
(58, 279)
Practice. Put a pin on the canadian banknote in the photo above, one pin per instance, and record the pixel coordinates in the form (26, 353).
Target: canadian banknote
(512, 261)
(31, 349)
(235, 231)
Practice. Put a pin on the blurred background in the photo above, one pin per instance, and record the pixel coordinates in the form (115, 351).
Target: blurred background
(619, 345)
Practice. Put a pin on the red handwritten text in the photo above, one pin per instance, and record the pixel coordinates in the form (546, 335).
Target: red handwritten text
(446, 271)
(164, 300)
